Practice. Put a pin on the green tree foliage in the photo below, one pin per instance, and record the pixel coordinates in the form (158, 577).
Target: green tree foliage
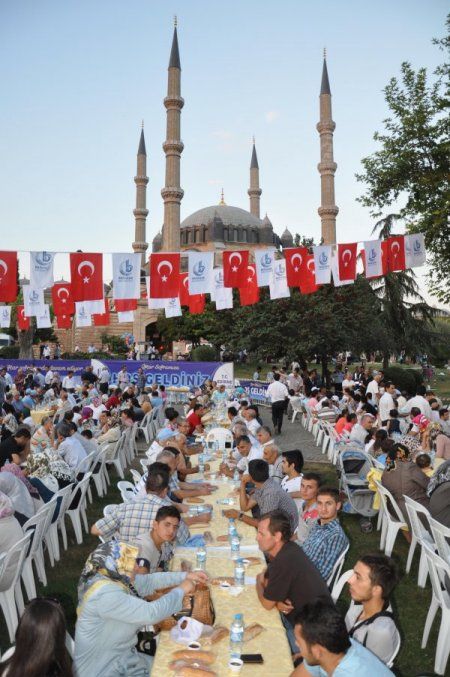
(411, 169)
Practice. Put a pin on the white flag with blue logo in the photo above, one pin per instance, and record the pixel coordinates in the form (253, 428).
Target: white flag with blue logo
(264, 260)
(278, 286)
(322, 263)
(201, 276)
(222, 296)
(126, 276)
(373, 264)
(43, 320)
(5, 317)
(415, 254)
(41, 270)
(172, 307)
(33, 300)
(83, 317)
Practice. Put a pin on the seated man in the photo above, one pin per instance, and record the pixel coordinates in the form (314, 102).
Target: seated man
(156, 546)
(272, 455)
(246, 453)
(194, 418)
(326, 540)
(309, 514)
(69, 448)
(291, 466)
(268, 496)
(360, 430)
(370, 620)
(290, 580)
(321, 634)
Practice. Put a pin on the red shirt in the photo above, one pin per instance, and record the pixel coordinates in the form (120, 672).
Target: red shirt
(112, 402)
(194, 420)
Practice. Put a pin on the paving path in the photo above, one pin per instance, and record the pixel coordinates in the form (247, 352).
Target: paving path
(294, 436)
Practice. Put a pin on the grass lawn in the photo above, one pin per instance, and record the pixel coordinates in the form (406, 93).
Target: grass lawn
(410, 602)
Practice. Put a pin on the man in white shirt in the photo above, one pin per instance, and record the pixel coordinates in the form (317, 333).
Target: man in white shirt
(291, 466)
(418, 401)
(360, 430)
(277, 393)
(48, 377)
(69, 382)
(123, 378)
(373, 387)
(251, 421)
(69, 448)
(295, 381)
(272, 456)
(386, 403)
(244, 453)
(103, 379)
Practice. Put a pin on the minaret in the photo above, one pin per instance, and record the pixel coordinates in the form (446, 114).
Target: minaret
(141, 211)
(327, 167)
(173, 147)
(254, 191)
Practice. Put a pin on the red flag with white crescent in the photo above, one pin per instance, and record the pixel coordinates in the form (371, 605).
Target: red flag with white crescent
(347, 261)
(86, 276)
(396, 253)
(23, 322)
(308, 282)
(124, 305)
(184, 289)
(250, 293)
(164, 275)
(8, 277)
(62, 299)
(196, 304)
(64, 321)
(235, 270)
(296, 258)
(385, 256)
(102, 319)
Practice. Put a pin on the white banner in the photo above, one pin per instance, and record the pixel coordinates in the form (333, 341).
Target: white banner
(126, 276)
(201, 275)
(41, 269)
(172, 307)
(83, 317)
(125, 316)
(153, 304)
(222, 296)
(322, 262)
(5, 317)
(335, 270)
(95, 307)
(372, 254)
(278, 286)
(264, 260)
(33, 301)
(415, 254)
(43, 321)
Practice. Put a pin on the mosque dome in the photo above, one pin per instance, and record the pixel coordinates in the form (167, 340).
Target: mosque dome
(230, 216)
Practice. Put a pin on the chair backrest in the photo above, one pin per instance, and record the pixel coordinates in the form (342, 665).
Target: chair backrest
(70, 646)
(439, 571)
(36, 525)
(135, 475)
(337, 568)
(441, 536)
(82, 487)
(339, 584)
(118, 448)
(11, 562)
(415, 509)
(386, 497)
(65, 493)
(145, 462)
(146, 420)
(127, 491)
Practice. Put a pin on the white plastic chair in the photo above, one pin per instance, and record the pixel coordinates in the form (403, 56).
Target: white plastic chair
(419, 535)
(439, 575)
(390, 524)
(337, 568)
(117, 459)
(390, 662)
(37, 526)
(339, 583)
(11, 566)
(127, 491)
(65, 495)
(297, 408)
(145, 462)
(98, 470)
(135, 475)
(441, 536)
(79, 513)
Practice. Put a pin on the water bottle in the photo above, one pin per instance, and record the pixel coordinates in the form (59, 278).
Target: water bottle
(200, 563)
(231, 528)
(235, 547)
(237, 636)
(201, 464)
(225, 501)
(236, 476)
(239, 573)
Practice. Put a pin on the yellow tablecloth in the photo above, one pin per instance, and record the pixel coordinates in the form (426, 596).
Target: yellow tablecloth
(272, 642)
(37, 416)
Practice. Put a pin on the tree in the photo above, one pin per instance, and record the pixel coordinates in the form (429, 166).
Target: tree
(412, 167)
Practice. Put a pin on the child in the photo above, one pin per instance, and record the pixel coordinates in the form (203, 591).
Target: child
(393, 425)
(423, 461)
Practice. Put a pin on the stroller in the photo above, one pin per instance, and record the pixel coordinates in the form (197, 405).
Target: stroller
(353, 466)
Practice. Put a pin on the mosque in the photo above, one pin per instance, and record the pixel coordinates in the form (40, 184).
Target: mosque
(216, 227)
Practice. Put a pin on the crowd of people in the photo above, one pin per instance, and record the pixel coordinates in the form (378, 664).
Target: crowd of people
(295, 514)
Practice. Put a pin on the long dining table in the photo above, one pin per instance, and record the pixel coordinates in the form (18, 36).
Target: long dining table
(272, 642)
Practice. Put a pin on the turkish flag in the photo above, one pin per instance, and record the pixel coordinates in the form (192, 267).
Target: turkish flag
(196, 304)
(62, 299)
(295, 265)
(86, 275)
(308, 282)
(235, 270)
(396, 253)
(23, 322)
(164, 275)
(347, 261)
(8, 276)
(102, 319)
(124, 305)
(250, 293)
(184, 289)
(64, 321)
(385, 256)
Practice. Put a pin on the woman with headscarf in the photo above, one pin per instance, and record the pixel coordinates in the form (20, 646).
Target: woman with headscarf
(112, 610)
(43, 437)
(435, 440)
(439, 494)
(403, 478)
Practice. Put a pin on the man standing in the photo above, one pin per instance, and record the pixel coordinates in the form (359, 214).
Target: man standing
(386, 403)
(103, 379)
(123, 378)
(373, 387)
(277, 394)
(69, 382)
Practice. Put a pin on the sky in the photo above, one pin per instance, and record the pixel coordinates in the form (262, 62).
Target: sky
(79, 76)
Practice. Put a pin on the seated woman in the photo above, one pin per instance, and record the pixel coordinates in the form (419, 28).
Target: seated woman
(43, 437)
(15, 490)
(40, 642)
(403, 478)
(112, 610)
(14, 467)
(435, 440)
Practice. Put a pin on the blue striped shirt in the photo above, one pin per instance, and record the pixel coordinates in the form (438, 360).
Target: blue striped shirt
(324, 544)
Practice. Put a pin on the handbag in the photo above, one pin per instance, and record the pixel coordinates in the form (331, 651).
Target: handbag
(198, 606)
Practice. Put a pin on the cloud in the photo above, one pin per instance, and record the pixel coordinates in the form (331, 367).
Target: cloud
(215, 182)
(271, 116)
(225, 140)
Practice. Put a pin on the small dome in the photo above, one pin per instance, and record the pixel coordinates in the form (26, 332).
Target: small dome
(286, 238)
(230, 216)
(266, 222)
(157, 239)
